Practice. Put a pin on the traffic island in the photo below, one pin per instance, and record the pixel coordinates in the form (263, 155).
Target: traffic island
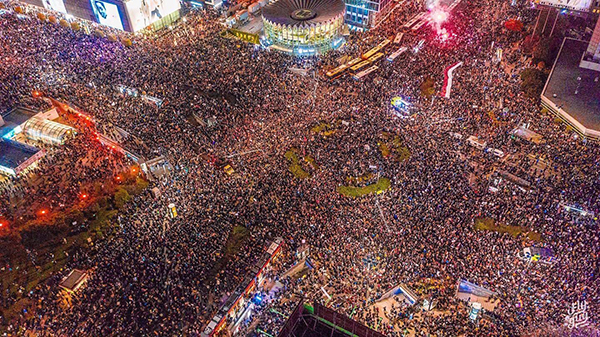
(296, 162)
(488, 224)
(391, 146)
(354, 191)
(326, 129)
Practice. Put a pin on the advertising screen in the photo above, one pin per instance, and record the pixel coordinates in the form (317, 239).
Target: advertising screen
(55, 5)
(107, 14)
(143, 13)
(576, 5)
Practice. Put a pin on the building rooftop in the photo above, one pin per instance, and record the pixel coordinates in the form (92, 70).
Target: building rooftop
(318, 321)
(13, 154)
(564, 81)
(74, 280)
(14, 118)
(303, 12)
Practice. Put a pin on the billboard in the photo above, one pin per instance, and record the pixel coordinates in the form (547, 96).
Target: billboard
(575, 5)
(55, 5)
(107, 14)
(143, 13)
(472, 288)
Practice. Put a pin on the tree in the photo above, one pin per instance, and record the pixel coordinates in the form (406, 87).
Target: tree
(541, 51)
(529, 43)
(513, 25)
(36, 235)
(533, 81)
(427, 89)
(121, 197)
(546, 50)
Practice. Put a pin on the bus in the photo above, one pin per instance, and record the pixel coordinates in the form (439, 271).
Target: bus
(376, 49)
(371, 52)
(354, 61)
(375, 57)
(414, 20)
(336, 72)
(365, 72)
(397, 53)
(357, 66)
(398, 38)
(383, 43)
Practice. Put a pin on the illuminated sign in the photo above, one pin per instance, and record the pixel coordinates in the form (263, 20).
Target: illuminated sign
(107, 14)
(143, 13)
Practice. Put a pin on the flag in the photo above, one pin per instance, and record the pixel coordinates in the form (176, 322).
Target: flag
(448, 79)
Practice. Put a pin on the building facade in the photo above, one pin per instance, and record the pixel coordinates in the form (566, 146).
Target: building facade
(591, 58)
(366, 14)
(304, 27)
(127, 15)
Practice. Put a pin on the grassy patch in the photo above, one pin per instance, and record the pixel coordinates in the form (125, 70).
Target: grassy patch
(488, 224)
(385, 150)
(237, 236)
(352, 191)
(296, 164)
(391, 146)
(311, 161)
(326, 129)
(360, 179)
(298, 171)
(236, 239)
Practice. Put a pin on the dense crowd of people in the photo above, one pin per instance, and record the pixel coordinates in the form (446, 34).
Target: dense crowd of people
(162, 276)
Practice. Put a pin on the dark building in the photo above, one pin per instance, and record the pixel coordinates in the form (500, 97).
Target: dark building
(318, 320)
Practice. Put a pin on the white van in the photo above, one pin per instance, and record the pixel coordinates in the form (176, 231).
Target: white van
(497, 153)
(474, 141)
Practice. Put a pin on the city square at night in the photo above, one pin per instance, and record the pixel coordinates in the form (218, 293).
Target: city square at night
(299, 168)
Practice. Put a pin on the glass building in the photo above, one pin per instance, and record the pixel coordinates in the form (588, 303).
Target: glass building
(305, 27)
(47, 131)
(364, 14)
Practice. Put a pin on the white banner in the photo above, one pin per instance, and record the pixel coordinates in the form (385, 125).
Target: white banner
(448, 79)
